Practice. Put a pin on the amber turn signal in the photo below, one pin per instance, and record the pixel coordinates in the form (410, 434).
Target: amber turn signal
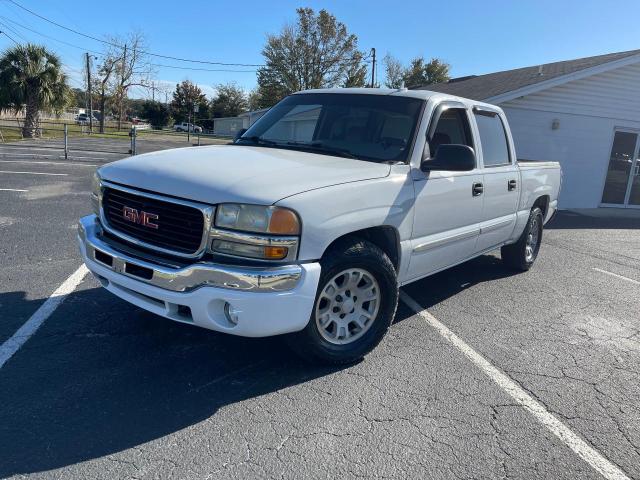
(275, 253)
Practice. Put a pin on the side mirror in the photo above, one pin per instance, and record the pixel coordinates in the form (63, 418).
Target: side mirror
(451, 157)
(239, 133)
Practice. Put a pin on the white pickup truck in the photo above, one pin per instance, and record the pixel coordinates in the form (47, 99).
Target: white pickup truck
(187, 127)
(310, 222)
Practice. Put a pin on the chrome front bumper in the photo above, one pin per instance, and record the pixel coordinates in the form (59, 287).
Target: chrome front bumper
(184, 279)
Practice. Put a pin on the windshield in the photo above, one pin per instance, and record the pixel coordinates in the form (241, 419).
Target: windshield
(377, 128)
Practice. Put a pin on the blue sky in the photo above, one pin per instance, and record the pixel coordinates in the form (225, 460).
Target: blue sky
(474, 37)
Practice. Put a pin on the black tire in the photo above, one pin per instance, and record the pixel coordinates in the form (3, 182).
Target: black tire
(350, 254)
(516, 255)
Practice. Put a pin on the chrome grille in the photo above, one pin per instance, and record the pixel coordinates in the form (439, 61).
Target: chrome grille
(180, 227)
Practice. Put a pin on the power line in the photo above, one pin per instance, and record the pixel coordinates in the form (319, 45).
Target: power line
(364, 59)
(122, 47)
(101, 54)
(158, 55)
(13, 30)
(202, 69)
(48, 36)
(10, 37)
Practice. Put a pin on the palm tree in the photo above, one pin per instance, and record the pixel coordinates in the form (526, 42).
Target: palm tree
(31, 76)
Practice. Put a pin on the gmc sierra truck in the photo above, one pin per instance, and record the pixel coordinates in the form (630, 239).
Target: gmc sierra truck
(311, 221)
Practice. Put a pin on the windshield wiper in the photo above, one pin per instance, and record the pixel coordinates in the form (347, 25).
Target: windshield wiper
(259, 140)
(321, 147)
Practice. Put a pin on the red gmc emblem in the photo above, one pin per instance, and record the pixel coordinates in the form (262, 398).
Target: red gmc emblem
(141, 218)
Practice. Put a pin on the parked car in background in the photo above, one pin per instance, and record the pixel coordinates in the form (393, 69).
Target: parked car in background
(187, 127)
(311, 221)
(83, 119)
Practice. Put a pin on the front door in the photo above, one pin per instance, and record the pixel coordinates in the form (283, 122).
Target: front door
(448, 205)
(622, 185)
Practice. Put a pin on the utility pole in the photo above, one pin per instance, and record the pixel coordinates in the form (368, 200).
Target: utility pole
(89, 96)
(153, 91)
(373, 68)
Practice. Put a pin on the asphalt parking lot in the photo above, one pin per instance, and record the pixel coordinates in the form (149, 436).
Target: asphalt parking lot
(106, 390)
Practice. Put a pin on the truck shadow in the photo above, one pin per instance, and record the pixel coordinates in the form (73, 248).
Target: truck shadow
(101, 376)
(434, 289)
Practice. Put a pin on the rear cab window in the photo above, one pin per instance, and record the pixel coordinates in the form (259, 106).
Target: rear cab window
(493, 138)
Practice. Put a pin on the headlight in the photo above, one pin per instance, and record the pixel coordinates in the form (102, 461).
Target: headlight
(95, 193)
(257, 218)
(255, 231)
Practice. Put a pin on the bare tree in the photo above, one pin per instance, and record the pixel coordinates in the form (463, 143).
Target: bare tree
(131, 69)
(103, 81)
(124, 64)
(394, 71)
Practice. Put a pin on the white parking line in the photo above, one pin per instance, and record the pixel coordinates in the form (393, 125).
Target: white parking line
(621, 277)
(13, 344)
(12, 190)
(51, 163)
(36, 173)
(585, 451)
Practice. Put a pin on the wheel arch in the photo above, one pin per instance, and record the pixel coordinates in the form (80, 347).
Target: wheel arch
(542, 202)
(385, 237)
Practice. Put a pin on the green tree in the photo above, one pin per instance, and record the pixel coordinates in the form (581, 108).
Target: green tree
(270, 89)
(186, 95)
(356, 74)
(229, 101)
(421, 72)
(253, 100)
(78, 97)
(394, 71)
(136, 107)
(156, 112)
(31, 76)
(315, 52)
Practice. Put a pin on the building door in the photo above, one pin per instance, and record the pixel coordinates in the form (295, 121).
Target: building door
(622, 185)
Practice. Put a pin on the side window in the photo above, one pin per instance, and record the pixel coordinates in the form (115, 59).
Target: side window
(452, 128)
(493, 139)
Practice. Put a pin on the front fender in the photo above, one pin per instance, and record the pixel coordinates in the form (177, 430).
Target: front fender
(332, 212)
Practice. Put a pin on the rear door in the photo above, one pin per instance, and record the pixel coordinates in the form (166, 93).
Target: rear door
(447, 208)
(501, 179)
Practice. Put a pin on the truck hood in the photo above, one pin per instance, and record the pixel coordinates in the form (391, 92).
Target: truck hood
(243, 174)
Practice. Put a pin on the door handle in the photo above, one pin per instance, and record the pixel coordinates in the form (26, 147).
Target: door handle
(477, 189)
(512, 185)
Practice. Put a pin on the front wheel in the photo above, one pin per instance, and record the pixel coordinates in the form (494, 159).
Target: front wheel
(355, 305)
(522, 254)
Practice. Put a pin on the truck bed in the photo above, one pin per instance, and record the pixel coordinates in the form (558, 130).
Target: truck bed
(524, 163)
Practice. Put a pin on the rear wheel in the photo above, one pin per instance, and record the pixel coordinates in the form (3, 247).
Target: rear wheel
(355, 305)
(522, 254)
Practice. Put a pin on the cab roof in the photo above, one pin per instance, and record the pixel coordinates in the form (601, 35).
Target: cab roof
(402, 92)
